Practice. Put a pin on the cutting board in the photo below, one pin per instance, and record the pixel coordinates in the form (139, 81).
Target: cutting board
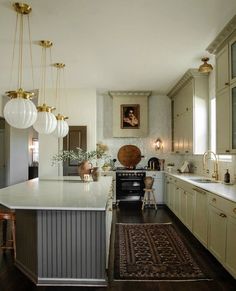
(129, 156)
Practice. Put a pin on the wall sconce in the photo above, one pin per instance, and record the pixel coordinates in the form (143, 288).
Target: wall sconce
(158, 144)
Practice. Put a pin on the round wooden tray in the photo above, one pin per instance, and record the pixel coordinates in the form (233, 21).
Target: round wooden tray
(129, 156)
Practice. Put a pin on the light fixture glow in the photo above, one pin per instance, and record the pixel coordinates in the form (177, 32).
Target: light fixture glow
(158, 144)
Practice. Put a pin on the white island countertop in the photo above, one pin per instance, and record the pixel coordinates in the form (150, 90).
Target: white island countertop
(57, 193)
(219, 188)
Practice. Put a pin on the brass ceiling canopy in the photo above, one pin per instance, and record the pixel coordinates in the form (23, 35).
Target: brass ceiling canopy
(45, 108)
(46, 43)
(22, 8)
(205, 67)
(59, 65)
(20, 93)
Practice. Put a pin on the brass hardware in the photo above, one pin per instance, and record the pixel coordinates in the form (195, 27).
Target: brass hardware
(215, 174)
(186, 108)
(223, 215)
(46, 43)
(177, 152)
(186, 152)
(110, 209)
(227, 151)
(205, 67)
(177, 188)
(226, 83)
(214, 200)
(59, 65)
(20, 93)
(22, 8)
(199, 190)
(185, 192)
(234, 210)
(45, 108)
(61, 117)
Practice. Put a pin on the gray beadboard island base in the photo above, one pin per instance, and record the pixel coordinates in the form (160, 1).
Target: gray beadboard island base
(62, 247)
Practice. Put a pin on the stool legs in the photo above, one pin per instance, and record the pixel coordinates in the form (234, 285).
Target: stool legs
(149, 200)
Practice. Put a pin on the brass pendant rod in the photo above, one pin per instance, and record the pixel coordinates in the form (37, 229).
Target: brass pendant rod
(20, 65)
(14, 49)
(31, 54)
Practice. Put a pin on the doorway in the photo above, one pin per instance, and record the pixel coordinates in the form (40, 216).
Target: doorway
(2, 154)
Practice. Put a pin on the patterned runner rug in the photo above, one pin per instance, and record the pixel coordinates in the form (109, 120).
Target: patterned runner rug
(153, 252)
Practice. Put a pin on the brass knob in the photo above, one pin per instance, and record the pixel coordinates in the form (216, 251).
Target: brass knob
(226, 83)
(214, 200)
(110, 209)
(227, 151)
(223, 215)
(234, 210)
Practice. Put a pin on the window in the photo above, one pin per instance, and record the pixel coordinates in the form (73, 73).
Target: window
(223, 158)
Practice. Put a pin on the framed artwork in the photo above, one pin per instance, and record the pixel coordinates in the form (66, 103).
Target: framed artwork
(130, 116)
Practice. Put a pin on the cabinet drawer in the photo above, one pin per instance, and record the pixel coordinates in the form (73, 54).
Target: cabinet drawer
(222, 204)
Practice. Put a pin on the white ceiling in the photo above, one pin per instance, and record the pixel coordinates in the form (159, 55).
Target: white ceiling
(120, 44)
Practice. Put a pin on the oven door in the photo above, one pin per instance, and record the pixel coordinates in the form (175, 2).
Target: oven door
(129, 188)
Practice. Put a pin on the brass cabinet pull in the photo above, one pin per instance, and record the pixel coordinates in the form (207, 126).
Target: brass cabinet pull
(110, 209)
(185, 192)
(186, 152)
(226, 83)
(199, 190)
(234, 210)
(213, 199)
(177, 188)
(227, 151)
(223, 215)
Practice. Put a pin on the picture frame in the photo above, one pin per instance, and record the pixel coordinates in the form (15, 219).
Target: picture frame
(130, 116)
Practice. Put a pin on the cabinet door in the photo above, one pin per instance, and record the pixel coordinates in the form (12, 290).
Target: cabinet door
(232, 61)
(189, 210)
(222, 69)
(200, 216)
(233, 117)
(230, 259)
(183, 206)
(217, 223)
(158, 192)
(177, 200)
(171, 195)
(187, 131)
(223, 122)
(177, 133)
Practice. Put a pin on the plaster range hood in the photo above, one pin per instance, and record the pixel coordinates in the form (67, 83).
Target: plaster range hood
(135, 102)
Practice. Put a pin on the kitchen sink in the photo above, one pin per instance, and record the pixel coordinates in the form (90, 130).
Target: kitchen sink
(203, 180)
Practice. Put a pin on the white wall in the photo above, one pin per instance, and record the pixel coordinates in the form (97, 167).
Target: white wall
(80, 106)
(159, 116)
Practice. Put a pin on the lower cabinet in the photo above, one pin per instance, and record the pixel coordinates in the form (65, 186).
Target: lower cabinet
(230, 257)
(217, 232)
(210, 217)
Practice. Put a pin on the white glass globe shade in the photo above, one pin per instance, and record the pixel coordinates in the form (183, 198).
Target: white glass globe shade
(20, 112)
(62, 128)
(46, 122)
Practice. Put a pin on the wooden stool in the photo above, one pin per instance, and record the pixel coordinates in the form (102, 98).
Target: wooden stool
(149, 198)
(9, 216)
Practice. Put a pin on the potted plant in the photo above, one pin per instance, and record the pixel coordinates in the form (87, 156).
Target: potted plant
(86, 159)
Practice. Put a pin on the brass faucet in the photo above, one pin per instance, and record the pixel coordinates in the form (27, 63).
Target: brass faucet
(215, 174)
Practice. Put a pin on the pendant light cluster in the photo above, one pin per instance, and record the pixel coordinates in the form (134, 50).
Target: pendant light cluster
(20, 111)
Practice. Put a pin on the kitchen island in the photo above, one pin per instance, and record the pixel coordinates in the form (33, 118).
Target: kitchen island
(62, 229)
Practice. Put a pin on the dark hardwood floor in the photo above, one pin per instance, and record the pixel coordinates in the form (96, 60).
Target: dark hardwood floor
(11, 279)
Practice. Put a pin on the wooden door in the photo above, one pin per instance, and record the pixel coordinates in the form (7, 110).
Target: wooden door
(76, 138)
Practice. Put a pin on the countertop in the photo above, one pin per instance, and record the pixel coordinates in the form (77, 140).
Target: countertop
(219, 188)
(57, 193)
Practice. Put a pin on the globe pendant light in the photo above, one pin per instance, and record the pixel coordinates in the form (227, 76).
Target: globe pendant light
(62, 127)
(20, 111)
(46, 121)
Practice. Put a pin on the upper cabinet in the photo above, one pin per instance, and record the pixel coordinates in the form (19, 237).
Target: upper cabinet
(190, 106)
(224, 47)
